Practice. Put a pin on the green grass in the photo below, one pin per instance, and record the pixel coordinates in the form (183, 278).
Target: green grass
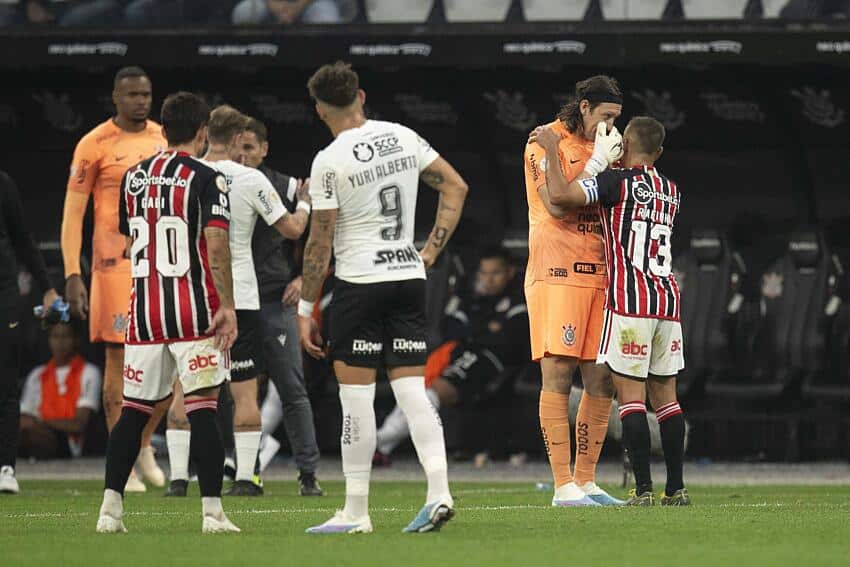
(52, 523)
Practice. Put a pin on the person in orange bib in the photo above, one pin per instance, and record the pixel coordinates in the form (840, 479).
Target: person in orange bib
(100, 160)
(565, 294)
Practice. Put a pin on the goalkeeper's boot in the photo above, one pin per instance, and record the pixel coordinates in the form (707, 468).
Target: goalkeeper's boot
(595, 493)
(342, 523)
(431, 517)
(571, 495)
(679, 498)
(643, 499)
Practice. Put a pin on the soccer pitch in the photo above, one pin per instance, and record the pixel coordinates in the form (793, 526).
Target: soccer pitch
(52, 523)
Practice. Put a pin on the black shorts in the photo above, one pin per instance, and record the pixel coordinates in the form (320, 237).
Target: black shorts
(246, 354)
(471, 371)
(377, 323)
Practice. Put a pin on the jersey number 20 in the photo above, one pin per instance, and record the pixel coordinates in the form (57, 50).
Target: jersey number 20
(171, 234)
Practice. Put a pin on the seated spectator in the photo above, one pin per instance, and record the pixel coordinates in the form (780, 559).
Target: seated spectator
(486, 346)
(59, 399)
(288, 12)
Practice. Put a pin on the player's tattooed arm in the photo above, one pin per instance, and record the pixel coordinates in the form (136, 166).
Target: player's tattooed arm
(293, 225)
(441, 176)
(317, 254)
(218, 254)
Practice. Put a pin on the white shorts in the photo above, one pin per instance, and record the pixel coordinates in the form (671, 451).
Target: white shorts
(635, 347)
(149, 369)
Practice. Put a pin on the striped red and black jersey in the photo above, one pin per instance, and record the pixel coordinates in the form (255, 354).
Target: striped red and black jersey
(166, 201)
(638, 207)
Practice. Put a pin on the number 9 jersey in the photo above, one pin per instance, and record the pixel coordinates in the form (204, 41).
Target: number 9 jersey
(371, 175)
(166, 202)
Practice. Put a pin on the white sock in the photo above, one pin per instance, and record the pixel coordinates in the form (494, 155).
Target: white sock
(426, 431)
(358, 445)
(211, 506)
(393, 431)
(272, 410)
(113, 504)
(247, 447)
(178, 453)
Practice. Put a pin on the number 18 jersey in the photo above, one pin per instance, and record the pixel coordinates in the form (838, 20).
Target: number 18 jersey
(370, 174)
(166, 201)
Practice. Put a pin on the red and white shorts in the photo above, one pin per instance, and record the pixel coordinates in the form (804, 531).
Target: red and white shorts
(635, 347)
(150, 369)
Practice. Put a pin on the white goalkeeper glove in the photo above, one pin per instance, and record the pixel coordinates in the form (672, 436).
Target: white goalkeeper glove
(607, 149)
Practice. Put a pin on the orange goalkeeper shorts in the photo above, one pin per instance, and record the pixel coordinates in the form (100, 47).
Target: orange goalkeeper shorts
(564, 320)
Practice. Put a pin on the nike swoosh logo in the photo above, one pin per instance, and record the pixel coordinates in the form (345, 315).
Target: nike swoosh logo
(572, 161)
(13, 325)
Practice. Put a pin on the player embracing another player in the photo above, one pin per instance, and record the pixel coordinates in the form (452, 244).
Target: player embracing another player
(641, 340)
(565, 291)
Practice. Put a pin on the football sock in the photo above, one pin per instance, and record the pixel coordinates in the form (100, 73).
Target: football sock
(394, 430)
(636, 439)
(555, 426)
(224, 420)
(426, 432)
(125, 440)
(358, 445)
(247, 448)
(591, 429)
(672, 423)
(178, 441)
(205, 448)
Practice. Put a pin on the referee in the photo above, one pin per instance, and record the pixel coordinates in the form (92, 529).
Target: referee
(15, 244)
(279, 280)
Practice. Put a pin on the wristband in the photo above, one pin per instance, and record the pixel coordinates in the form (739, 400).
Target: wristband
(305, 308)
(305, 206)
(595, 166)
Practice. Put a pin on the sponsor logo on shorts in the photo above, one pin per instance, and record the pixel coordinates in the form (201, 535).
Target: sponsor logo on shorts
(569, 336)
(407, 345)
(633, 349)
(133, 375)
(203, 362)
(242, 364)
(676, 346)
(361, 346)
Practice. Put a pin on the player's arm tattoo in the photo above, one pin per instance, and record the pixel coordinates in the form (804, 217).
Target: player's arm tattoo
(317, 254)
(218, 255)
(293, 225)
(453, 189)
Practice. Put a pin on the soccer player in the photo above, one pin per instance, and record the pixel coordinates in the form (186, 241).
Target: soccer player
(100, 159)
(641, 341)
(251, 196)
(364, 187)
(279, 280)
(565, 293)
(175, 212)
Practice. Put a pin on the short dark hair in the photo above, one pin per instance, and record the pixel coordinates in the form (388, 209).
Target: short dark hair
(130, 72)
(495, 251)
(570, 113)
(225, 122)
(258, 128)
(649, 134)
(182, 115)
(335, 84)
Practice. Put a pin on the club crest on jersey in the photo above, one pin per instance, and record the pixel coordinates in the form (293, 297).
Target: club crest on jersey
(222, 184)
(569, 337)
(119, 323)
(363, 152)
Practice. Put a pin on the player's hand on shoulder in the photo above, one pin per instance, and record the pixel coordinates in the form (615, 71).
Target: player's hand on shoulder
(302, 191)
(225, 328)
(77, 296)
(311, 339)
(545, 136)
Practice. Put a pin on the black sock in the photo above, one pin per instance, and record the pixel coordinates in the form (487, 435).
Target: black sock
(206, 449)
(636, 438)
(672, 425)
(124, 444)
(224, 420)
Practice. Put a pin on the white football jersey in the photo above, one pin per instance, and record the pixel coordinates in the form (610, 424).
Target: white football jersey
(251, 195)
(371, 175)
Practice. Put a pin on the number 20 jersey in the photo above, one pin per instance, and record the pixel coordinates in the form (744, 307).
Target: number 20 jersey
(166, 201)
(371, 175)
(638, 209)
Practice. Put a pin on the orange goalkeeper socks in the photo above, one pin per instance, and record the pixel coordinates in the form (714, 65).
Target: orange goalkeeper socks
(591, 428)
(555, 425)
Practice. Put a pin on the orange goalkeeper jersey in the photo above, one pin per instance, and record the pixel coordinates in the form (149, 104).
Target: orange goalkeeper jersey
(569, 250)
(100, 160)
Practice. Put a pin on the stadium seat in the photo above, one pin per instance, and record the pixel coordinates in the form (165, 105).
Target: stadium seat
(633, 10)
(714, 10)
(710, 277)
(555, 10)
(476, 10)
(398, 11)
(789, 338)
